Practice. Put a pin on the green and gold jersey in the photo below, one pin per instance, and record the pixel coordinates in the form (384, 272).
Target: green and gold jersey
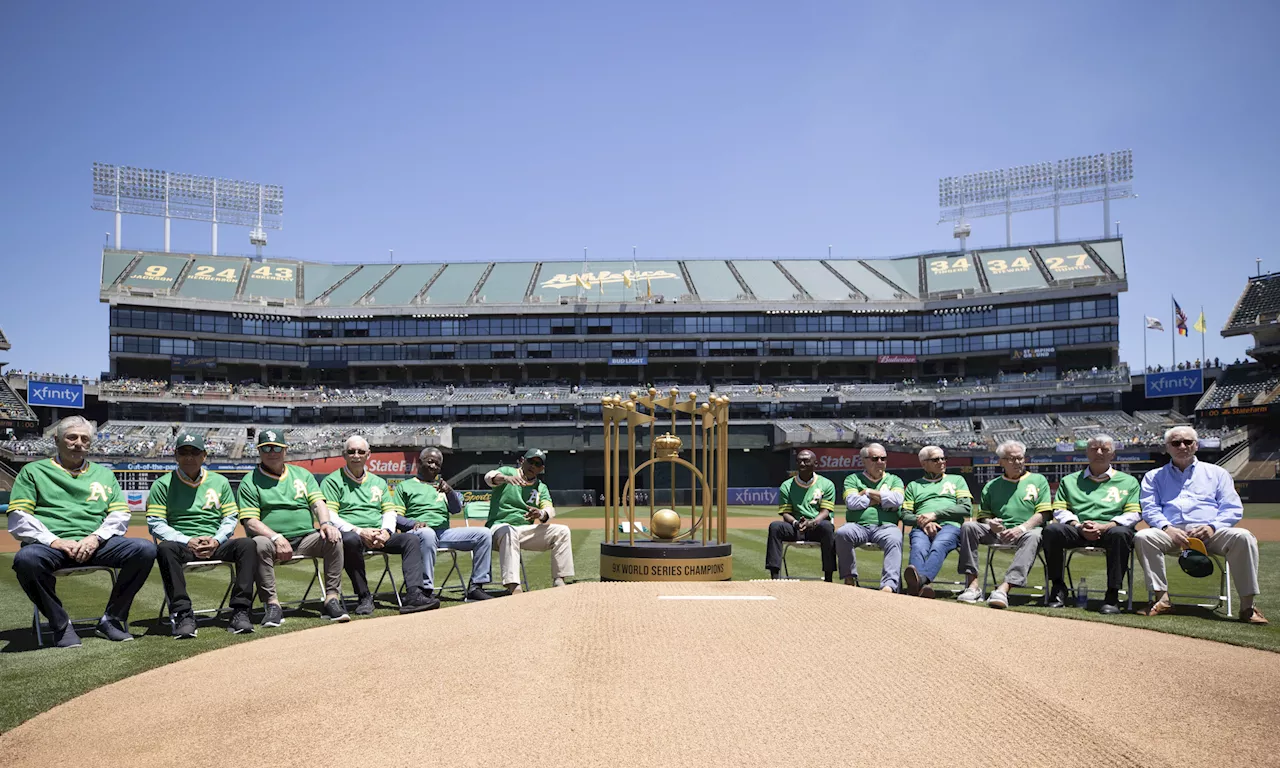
(423, 503)
(1099, 502)
(360, 502)
(807, 501)
(936, 497)
(192, 509)
(282, 503)
(71, 505)
(1015, 501)
(510, 503)
(872, 515)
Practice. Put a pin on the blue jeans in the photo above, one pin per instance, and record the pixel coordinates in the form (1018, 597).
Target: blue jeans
(926, 555)
(35, 564)
(886, 536)
(477, 541)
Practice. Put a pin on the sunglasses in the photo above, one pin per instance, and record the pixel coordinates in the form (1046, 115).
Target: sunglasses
(188, 452)
(877, 458)
(271, 449)
(355, 452)
(1181, 443)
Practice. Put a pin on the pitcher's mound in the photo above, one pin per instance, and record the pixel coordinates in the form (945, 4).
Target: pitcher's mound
(791, 673)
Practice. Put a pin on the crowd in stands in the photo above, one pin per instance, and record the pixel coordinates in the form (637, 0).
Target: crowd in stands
(56, 378)
(1190, 365)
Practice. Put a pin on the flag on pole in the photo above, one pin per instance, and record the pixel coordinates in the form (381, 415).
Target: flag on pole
(1200, 326)
(1180, 318)
(582, 282)
(626, 278)
(1154, 324)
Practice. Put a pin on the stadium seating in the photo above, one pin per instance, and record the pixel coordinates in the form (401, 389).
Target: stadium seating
(12, 406)
(1239, 385)
(1258, 305)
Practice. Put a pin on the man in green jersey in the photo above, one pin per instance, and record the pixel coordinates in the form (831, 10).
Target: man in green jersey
(520, 515)
(1010, 511)
(277, 501)
(68, 511)
(1095, 507)
(934, 506)
(193, 512)
(805, 502)
(365, 510)
(427, 501)
(872, 498)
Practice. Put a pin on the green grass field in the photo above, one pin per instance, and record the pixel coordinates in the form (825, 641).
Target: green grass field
(35, 680)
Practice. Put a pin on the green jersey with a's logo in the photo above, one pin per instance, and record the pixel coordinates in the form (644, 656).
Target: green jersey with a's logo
(71, 505)
(282, 503)
(192, 509)
(1015, 501)
(510, 503)
(360, 502)
(872, 515)
(423, 503)
(807, 501)
(936, 497)
(1099, 502)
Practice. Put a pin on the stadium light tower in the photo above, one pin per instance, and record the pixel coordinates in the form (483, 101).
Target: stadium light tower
(123, 189)
(1074, 181)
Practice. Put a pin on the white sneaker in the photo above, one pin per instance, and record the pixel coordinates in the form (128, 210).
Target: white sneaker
(998, 599)
(557, 583)
(970, 595)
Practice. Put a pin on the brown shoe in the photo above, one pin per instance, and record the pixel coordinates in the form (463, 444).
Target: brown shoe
(1159, 608)
(912, 580)
(926, 591)
(1254, 616)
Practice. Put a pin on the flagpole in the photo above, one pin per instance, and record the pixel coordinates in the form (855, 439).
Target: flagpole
(1204, 358)
(1145, 328)
(1173, 337)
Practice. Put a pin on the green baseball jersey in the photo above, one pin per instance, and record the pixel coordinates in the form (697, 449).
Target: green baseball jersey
(360, 502)
(282, 503)
(509, 503)
(423, 503)
(936, 497)
(1093, 501)
(71, 505)
(872, 515)
(1015, 501)
(807, 501)
(192, 509)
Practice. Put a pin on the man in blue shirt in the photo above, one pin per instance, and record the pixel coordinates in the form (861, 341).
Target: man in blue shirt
(1187, 498)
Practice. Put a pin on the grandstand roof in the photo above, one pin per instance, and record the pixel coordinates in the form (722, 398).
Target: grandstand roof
(1258, 305)
(4, 340)
(163, 277)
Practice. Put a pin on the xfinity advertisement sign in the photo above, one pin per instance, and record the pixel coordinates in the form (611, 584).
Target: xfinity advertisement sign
(55, 395)
(1174, 383)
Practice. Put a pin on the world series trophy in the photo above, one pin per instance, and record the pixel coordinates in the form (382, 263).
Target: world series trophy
(666, 550)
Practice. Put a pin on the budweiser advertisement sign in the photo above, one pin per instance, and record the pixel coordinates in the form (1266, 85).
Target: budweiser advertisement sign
(896, 359)
(385, 463)
(849, 460)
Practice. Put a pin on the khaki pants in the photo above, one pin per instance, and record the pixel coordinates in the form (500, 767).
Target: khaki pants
(510, 539)
(311, 545)
(1237, 545)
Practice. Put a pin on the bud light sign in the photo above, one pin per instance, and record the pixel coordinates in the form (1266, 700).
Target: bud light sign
(55, 395)
(752, 497)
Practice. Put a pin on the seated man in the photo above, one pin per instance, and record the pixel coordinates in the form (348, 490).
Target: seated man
(1188, 498)
(1009, 512)
(805, 502)
(192, 511)
(427, 501)
(68, 511)
(934, 506)
(277, 501)
(364, 510)
(520, 515)
(1095, 507)
(872, 498)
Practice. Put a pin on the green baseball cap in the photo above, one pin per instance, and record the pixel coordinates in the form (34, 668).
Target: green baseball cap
(271, 436)
(536, 453)
(1195, 560)
(189, 440)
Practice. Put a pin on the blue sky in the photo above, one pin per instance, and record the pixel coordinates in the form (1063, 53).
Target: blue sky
(731, 129)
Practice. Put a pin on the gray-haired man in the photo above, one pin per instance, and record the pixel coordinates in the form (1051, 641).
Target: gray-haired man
(872, 499)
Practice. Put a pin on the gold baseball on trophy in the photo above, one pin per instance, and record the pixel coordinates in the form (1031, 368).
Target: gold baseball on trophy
(665, 524)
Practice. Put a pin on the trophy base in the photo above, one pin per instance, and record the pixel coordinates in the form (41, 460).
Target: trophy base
(666, 561)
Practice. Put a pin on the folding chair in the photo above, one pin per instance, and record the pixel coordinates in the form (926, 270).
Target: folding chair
(479, 510)
(1093, 551)
(200, 566)
(315, 577)
(386, 574)
(786, 545)
(952, 586)
(1224, 590)
(989, 572)
(79, 570)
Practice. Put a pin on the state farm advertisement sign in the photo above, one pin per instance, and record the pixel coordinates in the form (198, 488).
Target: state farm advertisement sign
(385, 463)
(849, 460)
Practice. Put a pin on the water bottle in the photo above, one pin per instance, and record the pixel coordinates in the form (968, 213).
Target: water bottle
(1082, 594)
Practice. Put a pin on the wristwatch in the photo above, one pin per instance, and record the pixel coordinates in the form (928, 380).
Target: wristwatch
(329, 522)
(277, 536)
